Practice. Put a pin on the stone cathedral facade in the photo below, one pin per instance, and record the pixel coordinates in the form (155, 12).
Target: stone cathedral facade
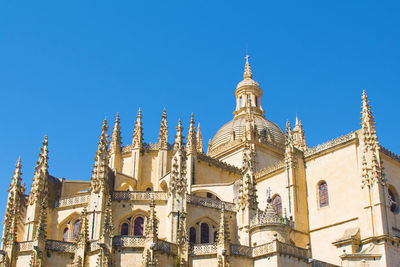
(258, 197)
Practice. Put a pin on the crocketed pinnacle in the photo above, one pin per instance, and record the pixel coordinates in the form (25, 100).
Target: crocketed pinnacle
(191, 145)
(199, 140)
(137, 140)
(16, 179)
(163, 135)
(367, 122)
(247, 69)
(151, 230)
(223, 230)
(99, 173)
(39, 186)
(115, 145)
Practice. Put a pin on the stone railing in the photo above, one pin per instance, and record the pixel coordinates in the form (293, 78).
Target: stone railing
(166, 247)
(143, 195)
(146, 147)
(211, 203)
(280, 248)
(25, 246)
(340, 140)
(240, 250)
(203, 249)
(263, 218)
(62, 246)
(278, 165)
(218, 163)
(128, 241)
(72, 201)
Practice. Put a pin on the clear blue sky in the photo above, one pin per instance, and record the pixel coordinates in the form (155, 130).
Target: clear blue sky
(64, 66)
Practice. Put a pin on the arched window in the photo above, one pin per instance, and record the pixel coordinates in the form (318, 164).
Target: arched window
(66, 234)
(323, 194)
(138, 226)
(75, 229)
(256, 101)
(393, 200)
(204, 233)
(125, 229)
(277, 202)
(192, 235)
(148, 189)
(241, 101)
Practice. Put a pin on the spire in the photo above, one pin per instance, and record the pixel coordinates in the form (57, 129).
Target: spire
(39, 186)
(372, 170)
(115, 145)
(100, 167)
(191, 146)
(163, 135)
(178, 144)
(199, 140)
(137, 141)
(247, 69)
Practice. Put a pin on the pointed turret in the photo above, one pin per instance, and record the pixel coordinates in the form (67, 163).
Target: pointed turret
(163, 135)
(107, 227)
(191, 146)
(115, 144)
(137, 138)
(199, 140)
(248, 191)
(40, 234)
(223, 242)
(100, 168)
(39, 188)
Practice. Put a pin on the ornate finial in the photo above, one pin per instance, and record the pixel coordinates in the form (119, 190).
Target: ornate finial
(137, 140)
(247, 69)
(115, 145)
(163, 135)
(16, 179)
(178, 137)
(191, 145)
(151, 228)
(223, 230)
(199, 140)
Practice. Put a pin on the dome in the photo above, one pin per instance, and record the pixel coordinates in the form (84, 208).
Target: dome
(265, 128)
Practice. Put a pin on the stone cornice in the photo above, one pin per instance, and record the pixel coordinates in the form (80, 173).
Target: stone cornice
(330, 144)
(389, 153)
(271, 169)
(218, 163)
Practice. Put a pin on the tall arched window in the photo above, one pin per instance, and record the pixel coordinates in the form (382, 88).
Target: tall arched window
(66, 234)
(125, 229)
(75, 230)
(192, 235)
(393, 200)
(138, 226)
(241, 101)
(205, 233)
(215, 236)
(277, 202)
(323, 194)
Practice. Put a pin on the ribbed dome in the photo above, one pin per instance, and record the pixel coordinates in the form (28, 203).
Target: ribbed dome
(265, 128)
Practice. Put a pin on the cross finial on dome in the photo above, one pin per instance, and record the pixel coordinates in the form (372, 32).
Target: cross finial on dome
(247, 70)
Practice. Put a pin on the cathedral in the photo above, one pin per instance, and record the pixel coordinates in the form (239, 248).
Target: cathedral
(256, 196)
